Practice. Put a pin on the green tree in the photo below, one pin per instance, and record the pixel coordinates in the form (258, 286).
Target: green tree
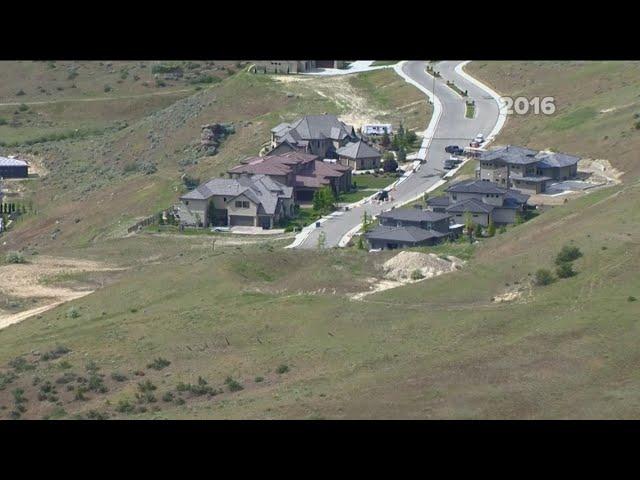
(469, 225)
(361, 242)
(491, 230)
(385, 141)
(402, 154)
(478, 229)
(323, 200)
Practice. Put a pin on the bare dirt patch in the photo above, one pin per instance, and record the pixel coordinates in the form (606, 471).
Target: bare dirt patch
(26, 281)
(402, 269)
(341, 92)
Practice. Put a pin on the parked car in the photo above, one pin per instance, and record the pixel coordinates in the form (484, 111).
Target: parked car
(474, 144)
(454, 150)
(479, 138)
(449, 164)
(454, 160)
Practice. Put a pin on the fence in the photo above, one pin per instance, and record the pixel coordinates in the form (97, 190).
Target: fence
(142, 223)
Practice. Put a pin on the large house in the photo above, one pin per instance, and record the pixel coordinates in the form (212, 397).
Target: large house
(13, 168)
(411, 227)
(486, 202)
(319, 135)
(359, 156)
(252, 200)
(294, 66)
(525, 169)
(304, 172)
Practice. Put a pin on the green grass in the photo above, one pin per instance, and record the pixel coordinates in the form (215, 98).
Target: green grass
(378, 63)
(377, 182)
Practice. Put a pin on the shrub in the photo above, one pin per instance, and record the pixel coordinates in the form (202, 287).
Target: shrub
(568, 253)
(55, 353)
(146, 386)
(502, 229)
(73, 313)
(23, 107)
(565, 270)
(20, 364)
(20, 93)
(68, 377)
(282, 369)
(168, 397)
(80, 391)
(119, 377)
(390, 165)
(96, 384)
(543, 277)
(96, 415)
(107, 88)
(259, 379)
(631, 298)
(233, 385)
(159, 363)
(417, 275)
(3, 121)
(125, 406)
(6, 379)
(15, 257)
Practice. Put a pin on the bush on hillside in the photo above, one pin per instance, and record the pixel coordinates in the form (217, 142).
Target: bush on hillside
(15, 257)
(417, 275)
(565, 270)
(568, 253)
(543, 277)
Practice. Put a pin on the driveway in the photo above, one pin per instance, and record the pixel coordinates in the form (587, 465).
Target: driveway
(453, 128)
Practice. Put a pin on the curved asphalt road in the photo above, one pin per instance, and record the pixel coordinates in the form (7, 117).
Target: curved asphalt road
(453, 129)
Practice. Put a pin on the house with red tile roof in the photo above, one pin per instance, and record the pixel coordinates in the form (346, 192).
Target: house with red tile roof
(305, 172)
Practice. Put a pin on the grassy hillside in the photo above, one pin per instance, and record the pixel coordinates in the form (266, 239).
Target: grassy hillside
(598, 107)
(280, 323)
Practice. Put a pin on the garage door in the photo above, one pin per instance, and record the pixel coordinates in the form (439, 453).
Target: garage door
(241, 220)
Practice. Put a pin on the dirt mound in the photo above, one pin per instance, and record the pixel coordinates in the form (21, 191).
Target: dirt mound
(402, 266)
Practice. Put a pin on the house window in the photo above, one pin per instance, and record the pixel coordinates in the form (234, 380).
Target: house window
(242, 204)
(454, 196)
(245, 204)
(475, 215)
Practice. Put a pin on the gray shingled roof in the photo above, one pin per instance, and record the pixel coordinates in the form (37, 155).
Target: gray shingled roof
(440, 201)
(358, 149)
(476, 186)
(414, 215)
(402, 234)
(260, 189)
(511, 154)
(556, 160)
(472, 205)
(315, 127)
(12, 162)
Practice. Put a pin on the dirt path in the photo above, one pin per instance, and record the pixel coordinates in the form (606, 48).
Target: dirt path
(97, 99)
(26, 281)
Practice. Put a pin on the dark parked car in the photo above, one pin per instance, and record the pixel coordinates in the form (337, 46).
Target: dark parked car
(454, 150)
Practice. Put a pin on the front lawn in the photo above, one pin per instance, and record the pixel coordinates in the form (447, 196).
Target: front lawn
(377, 182)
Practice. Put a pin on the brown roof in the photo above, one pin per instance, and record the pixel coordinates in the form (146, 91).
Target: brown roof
(273, 165)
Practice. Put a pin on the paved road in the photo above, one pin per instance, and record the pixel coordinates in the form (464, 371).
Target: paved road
(453, 128)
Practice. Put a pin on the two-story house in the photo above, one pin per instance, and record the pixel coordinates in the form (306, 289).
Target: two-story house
(320, 135)
(486, 202)
(525, 169)
(255, 200)
(304, 172)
